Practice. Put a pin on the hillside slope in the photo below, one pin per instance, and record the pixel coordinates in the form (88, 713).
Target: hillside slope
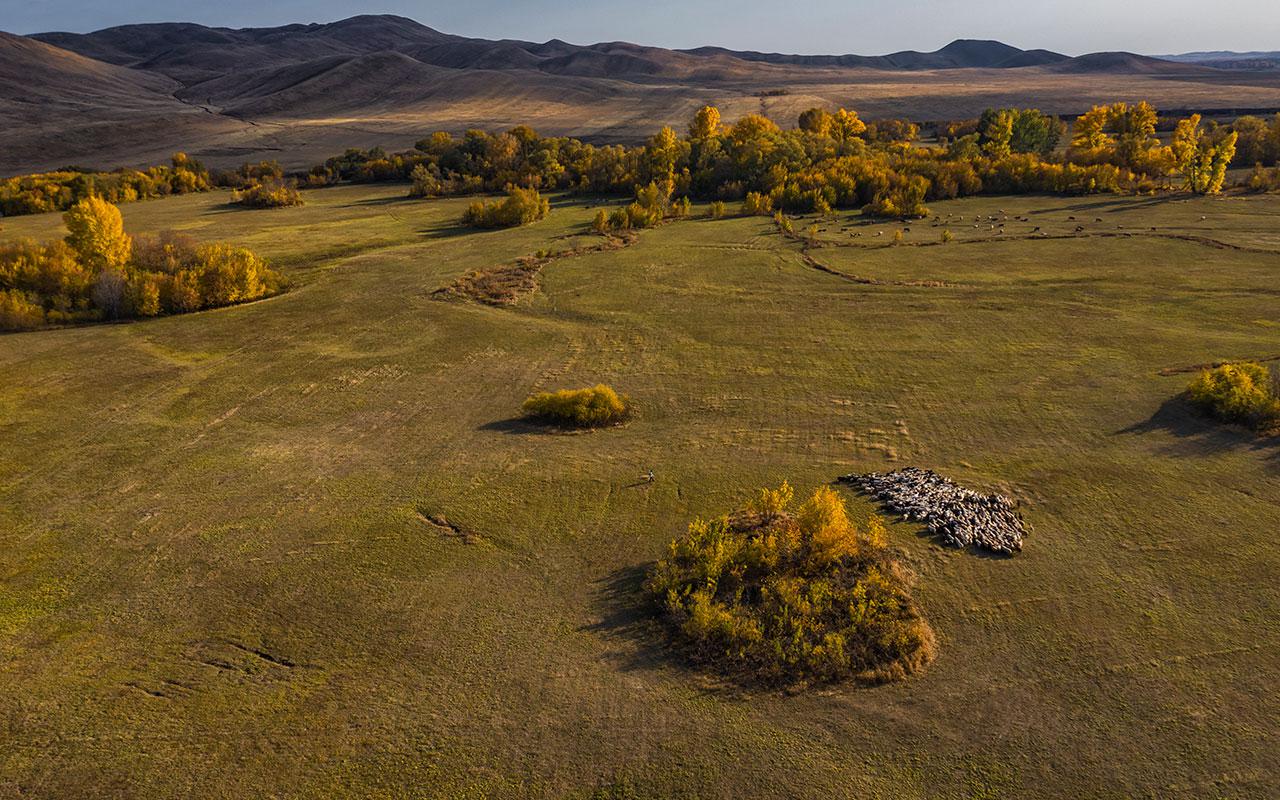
(297, 93)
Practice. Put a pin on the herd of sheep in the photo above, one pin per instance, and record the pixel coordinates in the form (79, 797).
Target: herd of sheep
(960, 516)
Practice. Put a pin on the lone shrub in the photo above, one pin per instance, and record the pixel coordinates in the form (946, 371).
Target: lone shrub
(600, 224)
(595, 407)
(785, 594)
(1243, 393)
(519, 207)
(269, 194)
(717, 210)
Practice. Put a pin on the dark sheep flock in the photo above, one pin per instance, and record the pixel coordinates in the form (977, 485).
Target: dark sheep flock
(960, 516)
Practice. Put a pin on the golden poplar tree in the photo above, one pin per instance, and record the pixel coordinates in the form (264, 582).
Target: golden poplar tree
(95, 231)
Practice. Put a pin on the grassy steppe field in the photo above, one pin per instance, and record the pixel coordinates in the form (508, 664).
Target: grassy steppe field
(218, 575)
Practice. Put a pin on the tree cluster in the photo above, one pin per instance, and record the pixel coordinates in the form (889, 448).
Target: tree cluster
(652, 204)
(831, 159)
(100, 272)
(519, 207)
(58, 191)
(1258, 141)
(270, 193)
(787, 592)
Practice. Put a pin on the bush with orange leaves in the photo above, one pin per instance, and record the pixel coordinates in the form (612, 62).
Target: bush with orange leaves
(787, 593)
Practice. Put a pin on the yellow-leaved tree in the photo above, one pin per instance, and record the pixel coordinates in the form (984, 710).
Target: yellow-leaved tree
(706, 123)
(95, 231)
(1202, 161)
(846, 125)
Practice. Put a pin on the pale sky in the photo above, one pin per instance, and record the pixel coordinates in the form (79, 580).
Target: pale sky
(866, 27)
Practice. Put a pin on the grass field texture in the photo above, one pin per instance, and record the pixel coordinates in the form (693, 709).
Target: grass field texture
(220, 575)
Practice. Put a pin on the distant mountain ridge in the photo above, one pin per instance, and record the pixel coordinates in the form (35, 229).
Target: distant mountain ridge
(191, 53)
(132, 94)
(1228, 59)
(960, 54)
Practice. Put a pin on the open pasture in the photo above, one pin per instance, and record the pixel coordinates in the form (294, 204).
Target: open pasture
(222, 571)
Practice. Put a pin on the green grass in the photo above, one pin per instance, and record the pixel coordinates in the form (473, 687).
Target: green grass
(189, 498)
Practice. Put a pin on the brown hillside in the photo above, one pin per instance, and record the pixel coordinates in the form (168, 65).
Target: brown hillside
(129, 95)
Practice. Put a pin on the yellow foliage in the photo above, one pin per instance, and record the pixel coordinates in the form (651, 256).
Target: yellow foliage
(1202, 161)
(1244, 392)
(593, 407)
(757, 204)
(706, 123)
(19, 311)
(95, 231)
(519, 207)
(269, 194)
(99, 272)
(773, 503)
(776, 596)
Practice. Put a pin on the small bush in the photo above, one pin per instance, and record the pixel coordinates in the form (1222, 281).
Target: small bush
(601, 222)
(519, 207)
(1243, 393)
(269, 194)
(717, 210)
(785, 594)
(947, 235)
(595, 407)
(757, 205)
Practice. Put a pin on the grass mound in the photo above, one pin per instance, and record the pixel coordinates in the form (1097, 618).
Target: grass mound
(1245, 393)
(786, 594)
(594, 407)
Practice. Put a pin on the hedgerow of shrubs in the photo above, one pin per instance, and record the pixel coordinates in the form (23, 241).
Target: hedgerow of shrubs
(786, 593)
(268, 194)
(100, 272)
(519, 207)
(1244, 393)
(594, 407)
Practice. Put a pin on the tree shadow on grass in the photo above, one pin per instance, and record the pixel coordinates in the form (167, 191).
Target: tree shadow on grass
(450, 231)
(517, 426)
(638, 641)
(1113, 204)
(1197, 435)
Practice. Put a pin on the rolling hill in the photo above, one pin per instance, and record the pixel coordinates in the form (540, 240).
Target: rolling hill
(129, 95)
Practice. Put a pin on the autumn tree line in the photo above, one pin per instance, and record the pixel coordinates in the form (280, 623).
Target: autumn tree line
(258, 185)
(830, 159)
(99, 272)
(834, 159)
